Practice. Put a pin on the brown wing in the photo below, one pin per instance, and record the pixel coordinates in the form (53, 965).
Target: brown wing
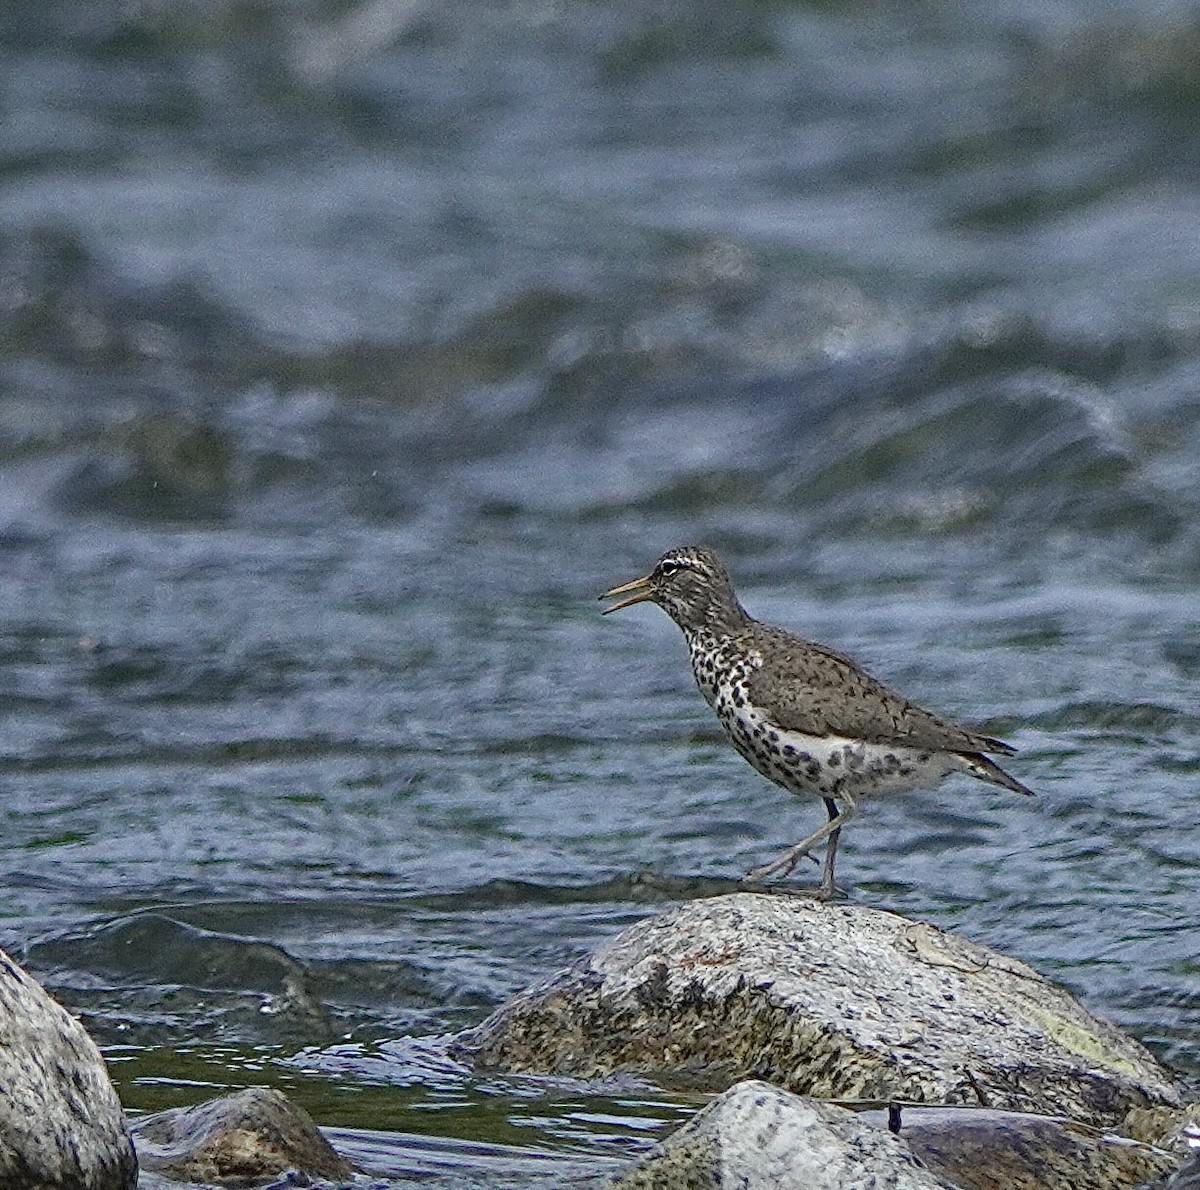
(809, 688)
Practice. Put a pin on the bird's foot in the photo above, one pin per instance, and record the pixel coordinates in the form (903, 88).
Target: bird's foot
(785, 865)
(821, 893)
(827, 891)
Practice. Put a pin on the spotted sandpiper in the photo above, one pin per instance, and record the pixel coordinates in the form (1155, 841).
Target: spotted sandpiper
(805, 716)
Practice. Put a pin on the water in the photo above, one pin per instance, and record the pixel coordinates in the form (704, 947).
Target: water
(349, 351)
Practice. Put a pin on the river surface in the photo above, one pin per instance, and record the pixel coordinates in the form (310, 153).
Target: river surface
(349, 350)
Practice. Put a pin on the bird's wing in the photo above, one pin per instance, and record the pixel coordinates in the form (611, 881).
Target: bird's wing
(811, 689)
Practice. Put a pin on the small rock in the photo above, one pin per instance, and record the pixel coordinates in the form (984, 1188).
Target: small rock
(759, 1137)
(980, 1149)
(61, 1123)
(238, 1139)
(1176, 1129)
(837, 1002)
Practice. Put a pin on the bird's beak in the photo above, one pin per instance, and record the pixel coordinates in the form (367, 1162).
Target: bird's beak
(638, 591)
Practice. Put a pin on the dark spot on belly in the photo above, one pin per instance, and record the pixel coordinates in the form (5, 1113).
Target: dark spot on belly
(834, 760)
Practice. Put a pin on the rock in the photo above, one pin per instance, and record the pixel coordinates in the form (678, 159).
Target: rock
(1176, 1129)
(245, 1137)
(759, 1137)
(836, 1002)
(982, 1149)
(61, 1123)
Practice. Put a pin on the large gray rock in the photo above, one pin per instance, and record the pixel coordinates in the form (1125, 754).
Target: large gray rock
(251, 1135)
(60, 1119)
(837, 1002)
(759, 1137)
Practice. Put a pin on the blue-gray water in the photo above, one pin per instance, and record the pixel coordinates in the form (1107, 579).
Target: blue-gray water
(347, 351)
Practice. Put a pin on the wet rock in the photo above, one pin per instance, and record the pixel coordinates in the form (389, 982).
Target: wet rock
(759, 1137)
(61, 1123)
(237, 1140)
(836, 1002)
(981, 1149)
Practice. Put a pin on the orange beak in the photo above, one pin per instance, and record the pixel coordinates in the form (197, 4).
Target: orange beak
(638, 591)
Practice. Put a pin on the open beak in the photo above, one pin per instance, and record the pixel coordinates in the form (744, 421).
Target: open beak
(638, 591)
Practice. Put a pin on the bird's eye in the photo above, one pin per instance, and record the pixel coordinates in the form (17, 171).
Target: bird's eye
(668, 567)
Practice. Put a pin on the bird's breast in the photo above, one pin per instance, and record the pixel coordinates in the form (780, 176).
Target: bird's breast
(722, 670)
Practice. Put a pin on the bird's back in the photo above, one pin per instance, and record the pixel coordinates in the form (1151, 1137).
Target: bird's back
(806, 687)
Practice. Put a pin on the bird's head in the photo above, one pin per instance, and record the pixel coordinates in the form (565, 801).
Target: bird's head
(690, 583)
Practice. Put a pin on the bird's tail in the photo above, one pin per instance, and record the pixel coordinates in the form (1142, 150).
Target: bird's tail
(980, 766)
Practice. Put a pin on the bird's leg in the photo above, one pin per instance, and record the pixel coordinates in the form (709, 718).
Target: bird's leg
(790, 858)
(827, 888)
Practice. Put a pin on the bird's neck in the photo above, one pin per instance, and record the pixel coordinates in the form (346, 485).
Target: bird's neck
(719, 623)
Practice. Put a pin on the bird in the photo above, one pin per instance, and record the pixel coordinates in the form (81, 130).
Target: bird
(806, 716)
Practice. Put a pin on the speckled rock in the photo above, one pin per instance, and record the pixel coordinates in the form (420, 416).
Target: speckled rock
(837, 1002)
(759, 1137)
(982, 1149)
(60, 1119)
(236, 1140)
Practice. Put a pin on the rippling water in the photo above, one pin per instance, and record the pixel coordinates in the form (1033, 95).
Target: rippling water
(350, 350)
